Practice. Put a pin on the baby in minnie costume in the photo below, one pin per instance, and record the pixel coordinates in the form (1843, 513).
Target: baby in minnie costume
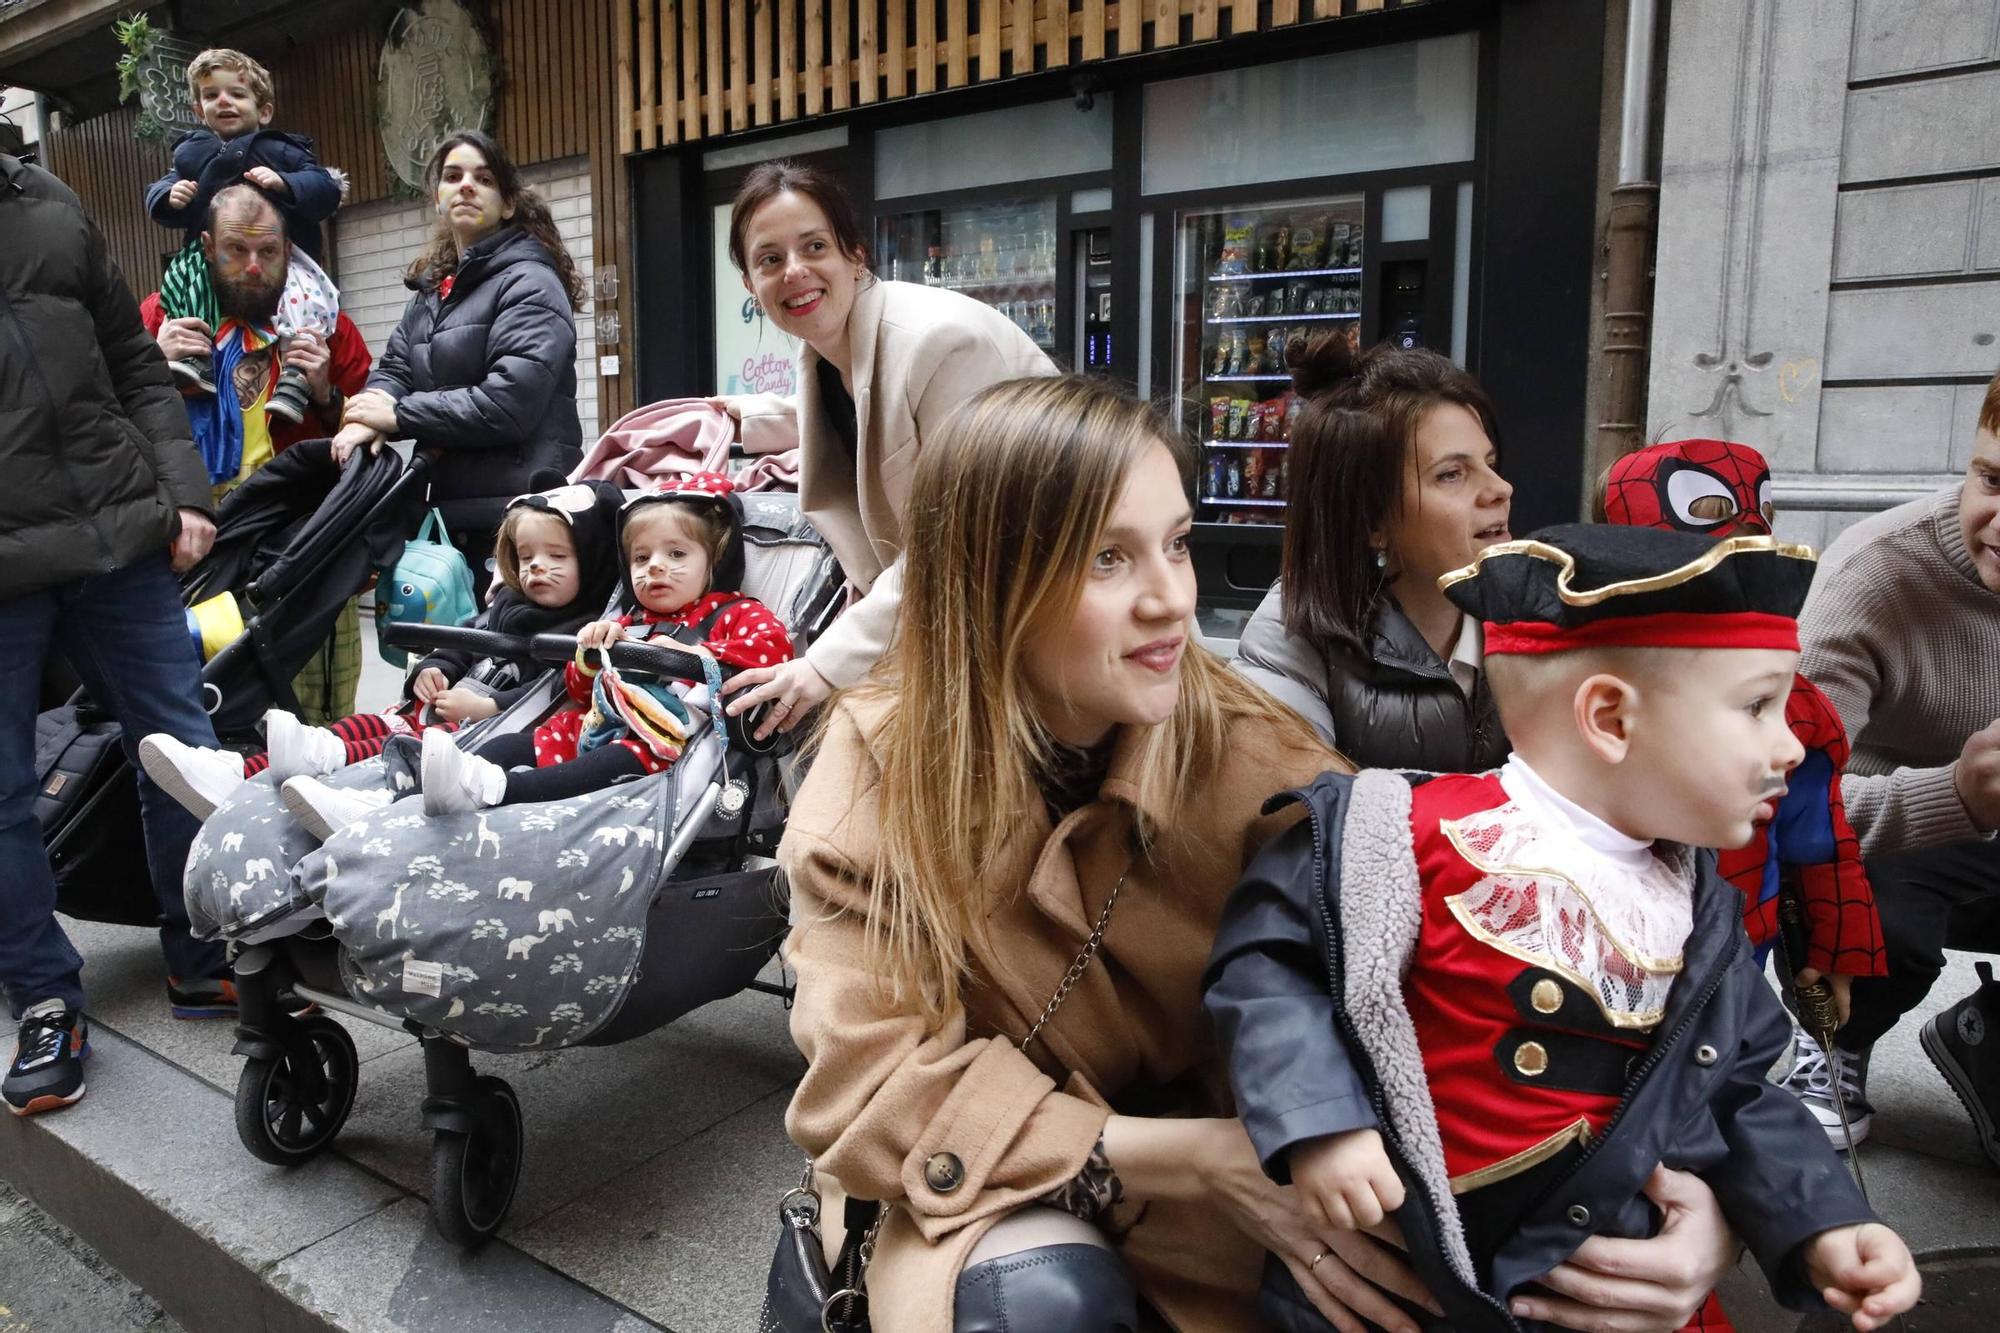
(1491, 1005)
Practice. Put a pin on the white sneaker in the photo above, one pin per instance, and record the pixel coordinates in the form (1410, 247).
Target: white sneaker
(298, 750)
(1811, 1080)
(325, 810)
(198, 778)
(455, 782)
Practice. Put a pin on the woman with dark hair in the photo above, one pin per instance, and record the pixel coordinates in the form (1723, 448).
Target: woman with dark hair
(881, 366)
(481, 373)
(1394, 481)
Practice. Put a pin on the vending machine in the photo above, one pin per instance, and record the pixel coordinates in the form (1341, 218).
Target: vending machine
(1003, 253)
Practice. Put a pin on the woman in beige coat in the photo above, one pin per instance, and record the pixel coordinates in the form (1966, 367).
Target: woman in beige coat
(1007, 865)
(881, 364)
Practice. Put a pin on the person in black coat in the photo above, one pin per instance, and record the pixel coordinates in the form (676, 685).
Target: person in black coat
(106, 499)
(481, 373)
(1394, 481)
(1493, 1005)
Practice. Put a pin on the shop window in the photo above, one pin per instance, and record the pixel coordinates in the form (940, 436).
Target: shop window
(1461, 273)
(1406, 213)
(993, 148)
(770, 150)
(1412, 104)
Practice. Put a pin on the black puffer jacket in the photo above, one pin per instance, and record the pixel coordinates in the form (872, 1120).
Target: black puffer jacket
(94, 442)
(215, 164)
(1305, 988)
(487, 376)
(1395, 707)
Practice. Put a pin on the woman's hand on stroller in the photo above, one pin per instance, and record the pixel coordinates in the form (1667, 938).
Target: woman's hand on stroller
(374, 409)
(599, 635)
(353, 436)
(459, 704)
(792, 688)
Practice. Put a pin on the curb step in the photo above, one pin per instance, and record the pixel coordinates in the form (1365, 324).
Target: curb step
(147, 1171)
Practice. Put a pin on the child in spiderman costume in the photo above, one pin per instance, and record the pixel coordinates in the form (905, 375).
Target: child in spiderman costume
(1720, 489)
(1493, 1004)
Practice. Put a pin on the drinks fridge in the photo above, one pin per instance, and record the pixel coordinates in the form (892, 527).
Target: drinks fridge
(1252, 284)
(1002, 253)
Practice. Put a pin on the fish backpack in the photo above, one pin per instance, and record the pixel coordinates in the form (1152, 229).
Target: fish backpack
(430, 584)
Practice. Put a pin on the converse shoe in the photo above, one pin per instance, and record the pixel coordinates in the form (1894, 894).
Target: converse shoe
(298, 750)
(200, 779)
(194, 372)
(291, 397)
(1812, 1080)
(47, 1073)
(1964, 1043)
(455, 782)
(202, 997)
(326, 810)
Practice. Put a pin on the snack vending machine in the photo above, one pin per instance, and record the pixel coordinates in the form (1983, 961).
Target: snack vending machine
(1251, 284)
(1002, 253)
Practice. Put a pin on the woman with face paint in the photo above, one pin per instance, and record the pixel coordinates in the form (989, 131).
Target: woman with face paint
(881, 365)
(481, 373)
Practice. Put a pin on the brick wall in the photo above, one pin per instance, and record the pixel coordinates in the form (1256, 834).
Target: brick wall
(374, 243)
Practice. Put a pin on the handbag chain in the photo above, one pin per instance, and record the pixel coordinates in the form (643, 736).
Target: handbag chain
(1080, 966)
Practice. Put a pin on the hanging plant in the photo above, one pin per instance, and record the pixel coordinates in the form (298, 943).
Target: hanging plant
(136, 37)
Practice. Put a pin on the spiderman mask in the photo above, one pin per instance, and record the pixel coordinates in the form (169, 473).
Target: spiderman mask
(1710, 487)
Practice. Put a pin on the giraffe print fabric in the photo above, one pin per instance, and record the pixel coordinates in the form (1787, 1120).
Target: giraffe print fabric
(517, 927)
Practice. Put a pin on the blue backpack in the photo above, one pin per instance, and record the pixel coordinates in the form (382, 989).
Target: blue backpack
(430, 584)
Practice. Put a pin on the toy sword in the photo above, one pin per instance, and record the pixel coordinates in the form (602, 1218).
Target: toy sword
(1819, 1013)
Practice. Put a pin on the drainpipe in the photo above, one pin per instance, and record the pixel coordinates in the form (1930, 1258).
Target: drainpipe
(1634, 222)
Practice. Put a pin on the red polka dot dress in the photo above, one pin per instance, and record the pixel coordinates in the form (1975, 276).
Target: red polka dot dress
(745, 634)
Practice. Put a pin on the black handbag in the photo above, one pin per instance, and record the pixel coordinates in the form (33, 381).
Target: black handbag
(803, 1295)
(87, 804)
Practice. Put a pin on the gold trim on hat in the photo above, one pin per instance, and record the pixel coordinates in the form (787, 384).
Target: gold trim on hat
(1673, 578)
(1533, 1156)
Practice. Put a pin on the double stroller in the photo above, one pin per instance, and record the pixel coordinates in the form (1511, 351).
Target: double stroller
(293, 544)
(587, 921)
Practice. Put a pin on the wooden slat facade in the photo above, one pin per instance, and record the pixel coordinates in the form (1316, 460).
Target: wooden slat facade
(829, 55)
(564, 66)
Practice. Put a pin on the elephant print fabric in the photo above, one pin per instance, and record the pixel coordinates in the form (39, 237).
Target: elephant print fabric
(517, 927)
(239, 884)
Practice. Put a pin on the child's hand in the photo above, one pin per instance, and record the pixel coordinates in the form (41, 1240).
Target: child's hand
(1347, 1180)
(459, 704)
(182, 192)
(600, 634)
(1842, 987)
(428, 685)
(1865, 1272)
(266, 179)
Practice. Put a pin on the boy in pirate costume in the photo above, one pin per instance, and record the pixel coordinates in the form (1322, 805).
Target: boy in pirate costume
(1491, 1004)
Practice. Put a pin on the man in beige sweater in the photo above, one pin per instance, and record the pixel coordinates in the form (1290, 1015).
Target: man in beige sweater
(1902, 633)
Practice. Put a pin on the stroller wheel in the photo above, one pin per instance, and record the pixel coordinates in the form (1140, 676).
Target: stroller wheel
(473, 1175)
(285, 1114)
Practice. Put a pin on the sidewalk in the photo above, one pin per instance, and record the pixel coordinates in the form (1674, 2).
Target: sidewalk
(652, 1174)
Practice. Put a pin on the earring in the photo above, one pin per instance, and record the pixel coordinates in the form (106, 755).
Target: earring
(1381, 560)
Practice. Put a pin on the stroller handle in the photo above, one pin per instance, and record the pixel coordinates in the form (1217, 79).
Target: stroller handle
(629, 655)
(457, 638)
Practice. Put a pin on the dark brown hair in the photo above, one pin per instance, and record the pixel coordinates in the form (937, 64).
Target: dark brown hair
(1351, 441)
(768, 180)
(1989, 410)
(530, 215)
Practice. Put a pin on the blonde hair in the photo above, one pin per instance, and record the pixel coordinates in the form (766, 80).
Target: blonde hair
(1006, 508)
(218, 58)
(507, 542)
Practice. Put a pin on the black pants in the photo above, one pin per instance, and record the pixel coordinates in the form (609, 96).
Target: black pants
(1937, 898)
(592, 770)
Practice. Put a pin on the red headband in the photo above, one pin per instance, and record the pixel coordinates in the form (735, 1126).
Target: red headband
(1667, 629)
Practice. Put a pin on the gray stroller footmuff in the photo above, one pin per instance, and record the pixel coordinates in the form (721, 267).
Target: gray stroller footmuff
(518, 927)
(238, 884)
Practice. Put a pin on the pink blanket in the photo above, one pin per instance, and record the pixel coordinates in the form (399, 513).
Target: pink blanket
(683, 435)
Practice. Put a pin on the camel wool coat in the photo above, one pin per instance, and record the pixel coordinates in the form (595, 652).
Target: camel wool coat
(886, 1093)
(918, 353)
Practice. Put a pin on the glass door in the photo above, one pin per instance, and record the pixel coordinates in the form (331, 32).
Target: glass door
(1252, 282)
(1002, 253)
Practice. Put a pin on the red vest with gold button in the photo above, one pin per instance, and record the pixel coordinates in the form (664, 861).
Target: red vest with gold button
(1539, 974)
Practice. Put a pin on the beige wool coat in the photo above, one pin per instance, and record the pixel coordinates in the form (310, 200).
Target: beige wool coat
(885, 1092)
(918, 352)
